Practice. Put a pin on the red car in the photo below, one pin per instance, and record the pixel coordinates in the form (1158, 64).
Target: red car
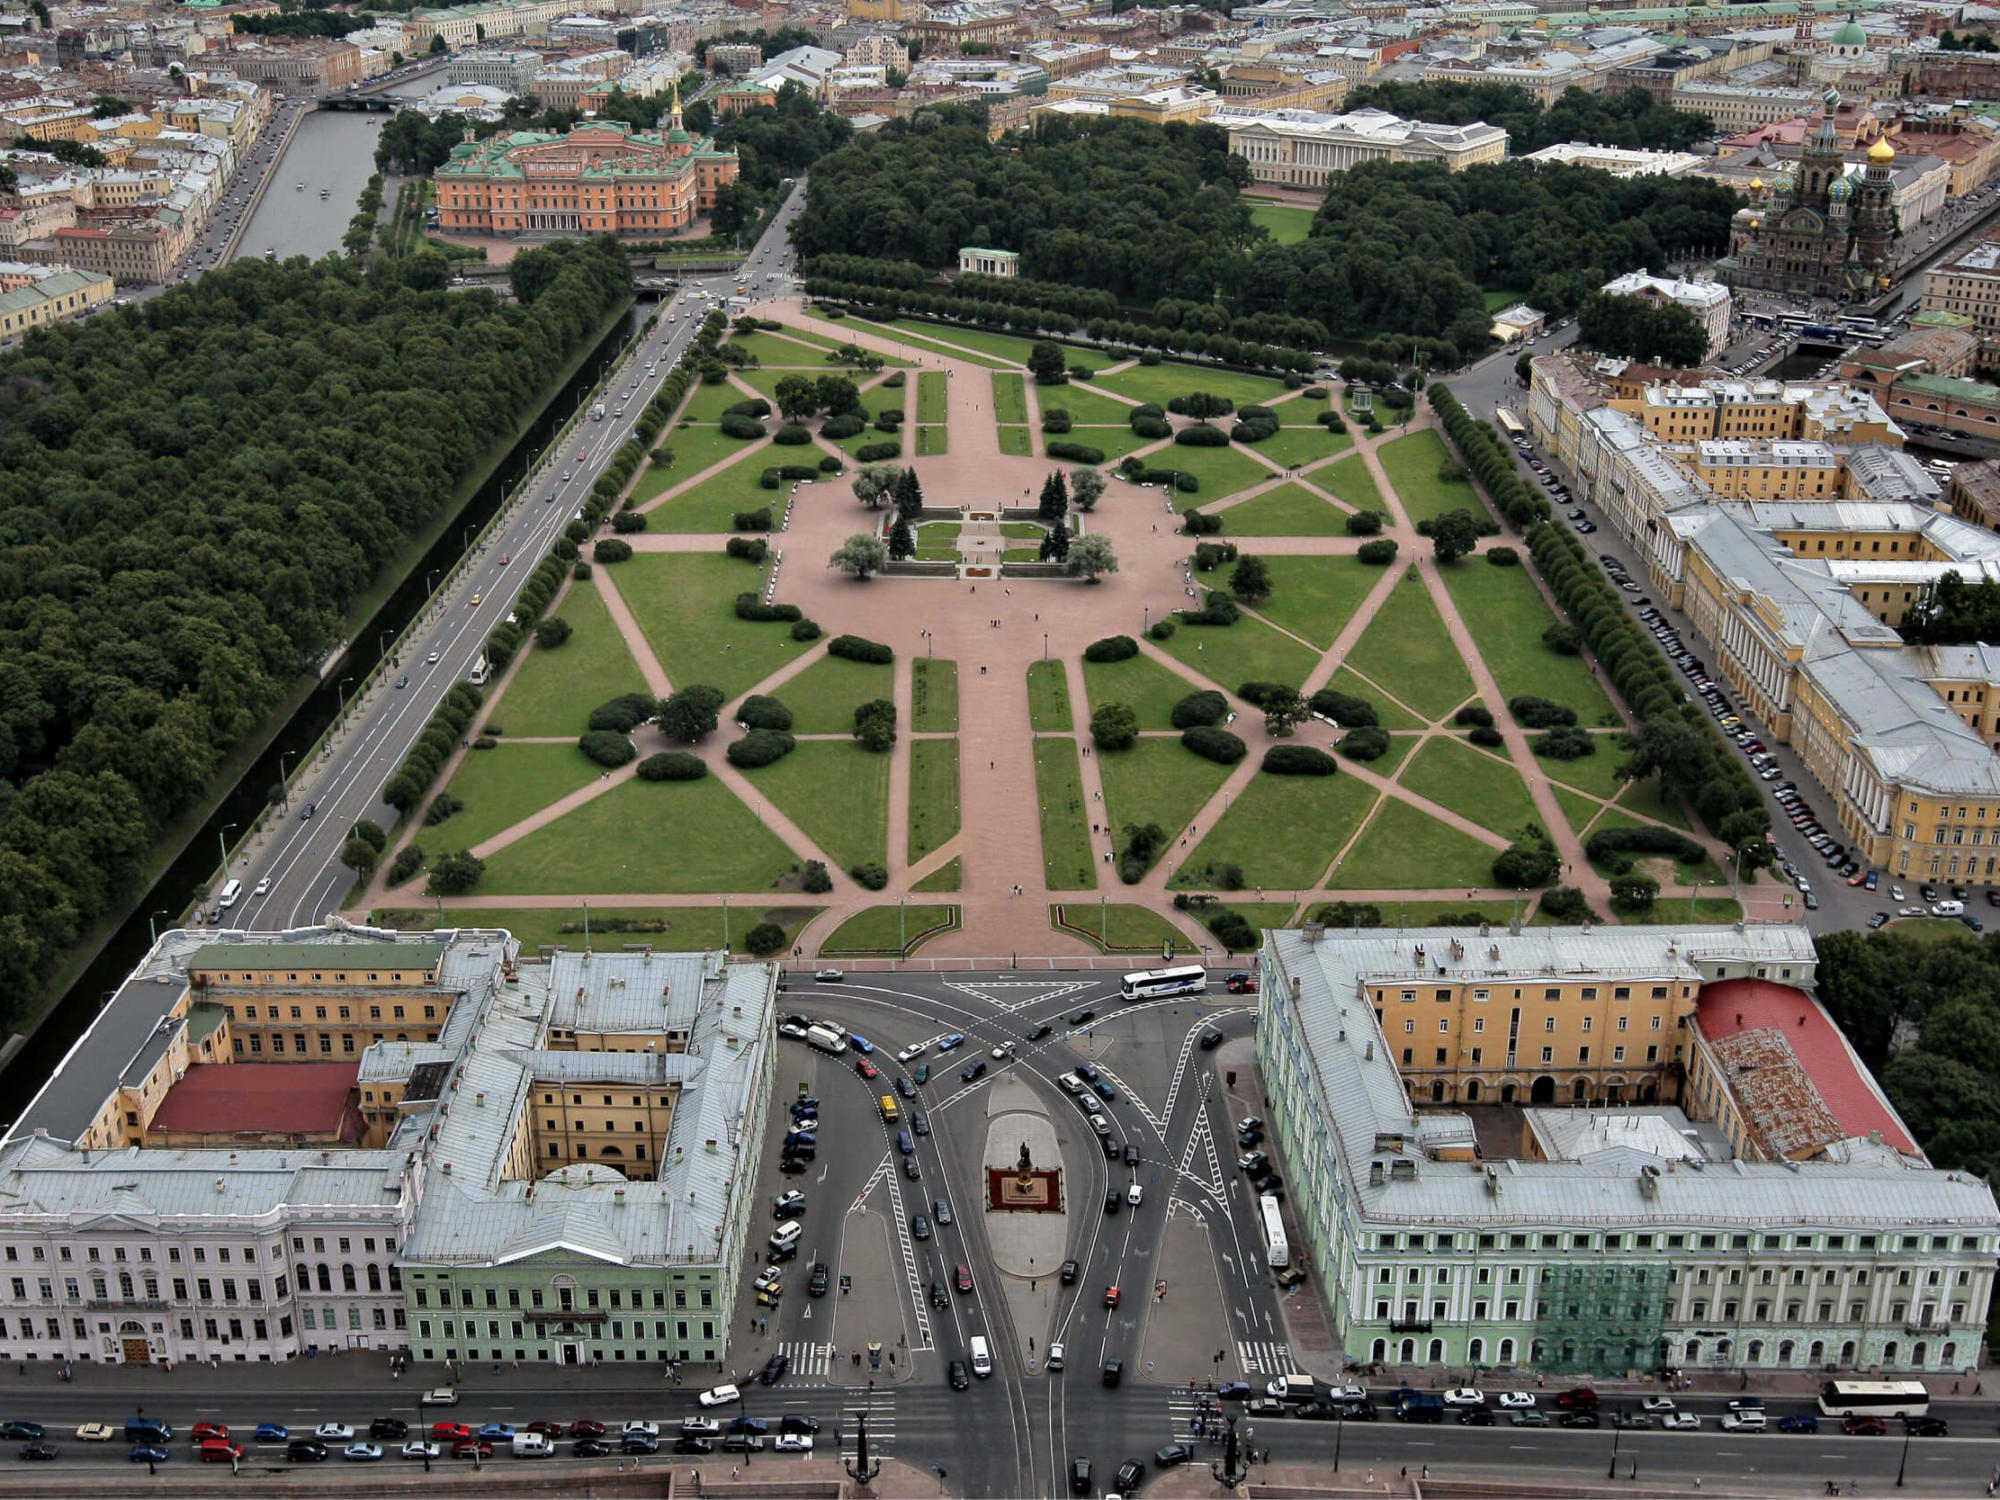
(470, 1449)
(962, 1278)
(209, 1430)
(866, 1068)
(548, 1429)
(219, 1451)
(1581, 1398)
(1863, 1426)
(449, 1432)
(586, 1429)
(1241, 984)
(1111, 1296)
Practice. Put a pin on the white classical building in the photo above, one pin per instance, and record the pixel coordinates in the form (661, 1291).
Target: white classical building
(1707, 300)
(1302, 147)
(1618, 160)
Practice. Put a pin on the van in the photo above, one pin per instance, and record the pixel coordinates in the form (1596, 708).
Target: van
(826, 1039)
(1948, 909)
(787, 1234)
(982, 1357)
(533, 1445)
(148, 1431)
(230, 893)
(890, 1114)
(1293, 1388)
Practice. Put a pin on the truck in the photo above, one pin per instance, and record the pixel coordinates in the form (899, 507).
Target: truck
(481, 670)
(597, 412)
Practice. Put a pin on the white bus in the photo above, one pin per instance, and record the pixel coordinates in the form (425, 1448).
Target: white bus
(1859, 324)
(1279, 1253)
(1874, 1398)
(1153, 984)
(1509, 423)
(826, 1039)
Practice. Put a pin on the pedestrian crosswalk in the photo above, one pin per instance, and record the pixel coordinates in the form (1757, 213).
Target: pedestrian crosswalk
(1264, 1357)
(880, 1409)
(807, 1359)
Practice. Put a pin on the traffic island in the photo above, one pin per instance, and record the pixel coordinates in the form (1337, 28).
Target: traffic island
(1027, 1225)
(867, 1329)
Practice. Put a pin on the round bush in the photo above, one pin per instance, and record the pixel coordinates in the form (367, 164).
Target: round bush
(1380, 552)
(1151, 410)
(791, 435)
(1201, 435)
(874, 877)
(743, 428)
(1472, 713)
(1364, 523)
(1263, 694)
(765, 938)
(875, 453)
(1488, 736)
(1566, 743)
(756, 406)
(1298, 760)
(611, 550)
(857, 648)
(1207, 707)
(671, 765)
(1367, 743)
(830, 465)
(628, 521)
(1162, 630)
(1539, 713)
(1503, 557)
(1344, 709)
(1111, 648)
(846, 425)
(760, 747)
(606, 747)
(805, 630)
(761, 712)
(1216, 744)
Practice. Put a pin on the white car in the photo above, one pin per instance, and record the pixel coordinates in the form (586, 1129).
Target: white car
(1743, 1421)
(1464, 1395)
(1135, 1195)
(362, 1453)
(1004, 1050)
(1055, 1356)
(1517, 1400)
(416, 1448)
(793, 1442)
(1347, 1393)
(1685, 1421)
(722, 1395)
(1658, 1404)
(699, 1427)
(263, 887)
(334, 1432)
(646, 1429)
(912, 1052)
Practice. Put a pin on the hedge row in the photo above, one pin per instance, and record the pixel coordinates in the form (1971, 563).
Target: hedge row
(1490, 461)
(855, 648)
(442, 735)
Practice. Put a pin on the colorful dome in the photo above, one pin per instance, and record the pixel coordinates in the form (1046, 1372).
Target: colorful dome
(1840, 190)
(1881, 151)
(1850, 34)
(1783, 182)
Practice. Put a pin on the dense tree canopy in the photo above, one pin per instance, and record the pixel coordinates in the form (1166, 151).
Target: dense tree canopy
(1634, 120)
(192, 492)
(1632, 326)
(1952, 612)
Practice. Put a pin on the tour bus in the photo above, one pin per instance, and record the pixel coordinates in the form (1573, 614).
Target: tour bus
(826, 1039)
(1509, 423)
(1858, 323)
(1278, 1253)
(1153, 984)
(1874, 1398)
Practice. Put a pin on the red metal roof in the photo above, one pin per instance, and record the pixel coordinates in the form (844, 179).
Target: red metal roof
(1734, 1006)
(261, 1098)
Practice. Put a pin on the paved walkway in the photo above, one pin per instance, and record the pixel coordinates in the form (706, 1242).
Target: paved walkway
(993, 628)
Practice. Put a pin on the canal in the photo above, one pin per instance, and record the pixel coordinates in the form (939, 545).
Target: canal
(332, 149)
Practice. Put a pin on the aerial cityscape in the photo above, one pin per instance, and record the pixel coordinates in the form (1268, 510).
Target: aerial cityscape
(1467, 535)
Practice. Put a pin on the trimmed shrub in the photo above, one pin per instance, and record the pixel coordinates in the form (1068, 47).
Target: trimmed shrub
(1220, 610)
(628, 521)
(1487, 735)
(1206, 707)
(760, 747)
(1507, 557)
(1364, 523)
(1211, 742)
(1530, 860)
(875, 725)
(791, 435)
(1114, 727)
(1194, 523)
(1111, 648)
(1608, 843)
(874, 877)
(1055, 420)
(1380, 552)
(755, 407)
(1539, 713)
(750, 607)
(409, 859)
(828, 464)
(875, 453)
(1472, 713)
(814, 880)
(1208, 556)
(671, 765)
(606, 748)
(1566, 904)
(762, 712)
(1152, 428)
(1076, 453)
(748, 548)
(1233, 931)
(1298, 760)
(846, 425)
(1263, 694)
(1148, 409)
(611, 550)
(764, 939)
(1366, 743)
(623, 714)
(805, 630)
(1344, 709)
(854, 648)
(1565, 743)
(1201, 435)
(1162, 630)
(741, 427)
(752, 520)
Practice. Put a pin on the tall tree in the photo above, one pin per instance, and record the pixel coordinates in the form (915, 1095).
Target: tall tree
(1054, 502)
(1086, 488)
(909, 495)
(1090, 556)
(797, 396)
(861, 555)
(902, 540)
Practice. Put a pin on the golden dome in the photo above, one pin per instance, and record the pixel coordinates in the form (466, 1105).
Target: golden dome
(1881, 151)
(1756, 184)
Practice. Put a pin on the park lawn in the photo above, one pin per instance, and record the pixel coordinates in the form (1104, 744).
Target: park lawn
(1596, 774)
(1286, 223)
(1397, 914)
(1391, 713)
(712, 505)
(1400, 745)
(1119, 928)
(553, 691)
(995, 346)
(1472, 784)
(1289, 510)
(1015, 440)
(1248, 651)
(1048, 698)
(838, 794)
(1412, 464)
(934, 812)
(933, 397)
(1261, 915)
(1160, 383)
(934, 697)
(1404, 849)
(948, 876)
(685, 604)
(1313, 597)
(1113, 442)
(1156, 781)
(1067, 861)
(1406, 644)
(1149, 689)
(1222, 471)
(923, 338)
(823, 696)
(1010, 403)
(1643, 798)
(501, 786)
(822, 341)
(670, 837)
(770, 349)
(891, 928)
(1020, 554)
(1300, 410)
(1021, 530)
(1086, 407)
(1281, 831)
(854, 442)
(930, 442)
(709, 402)
(1301, 445)
(1350, 480)
(1579, 809)
(684, 453)
(679, 929)
(1506, 614)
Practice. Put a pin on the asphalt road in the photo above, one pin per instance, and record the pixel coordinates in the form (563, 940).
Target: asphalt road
(301, 857)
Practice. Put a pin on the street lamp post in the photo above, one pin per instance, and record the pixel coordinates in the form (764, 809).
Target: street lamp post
(1616, 1434)
(222, 843)
(382, 643)
(152, 931)
(341, 692)
(1904, 1463)
(282, 783)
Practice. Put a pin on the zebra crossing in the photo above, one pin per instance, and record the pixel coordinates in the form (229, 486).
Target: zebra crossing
(1264, 1357)
(880, 1409)
(808, 1360)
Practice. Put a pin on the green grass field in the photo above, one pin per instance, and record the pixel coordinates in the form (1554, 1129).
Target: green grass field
(1244, 652)
(1596, 774)
(1281, 831)
(1389, 710)
(1472, 784)
(679, 929)
(1015, 440)
(1350, 481)
(1285, 223)
(1086, 408)
(1577, 808)
(770, 349)
(1148, 688)
(822, 342)
(1407, 850)
(918, 336)
(933, 399)
(931, 441)
(1406, 644)
(501, 786)
(1222, 471)
(712, 505)
(934, 696)
(692, 449)
(709, 402)
(1113, 442)
(1156, 781)
(553, 692)
(685, 605)
(933, 795)
(1010, 404)
(1313, 597)
(1412, 464)
(1067, 861)
(1300, 410)
(1289, 510)
(995, 346)
(671, 837)
(838, 794)
(890, 929)
(1118, 928)
(823, 697)
(1162, 382)
(948, 876)
(1048, 698)
(1507, 615)
(1301, 445)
